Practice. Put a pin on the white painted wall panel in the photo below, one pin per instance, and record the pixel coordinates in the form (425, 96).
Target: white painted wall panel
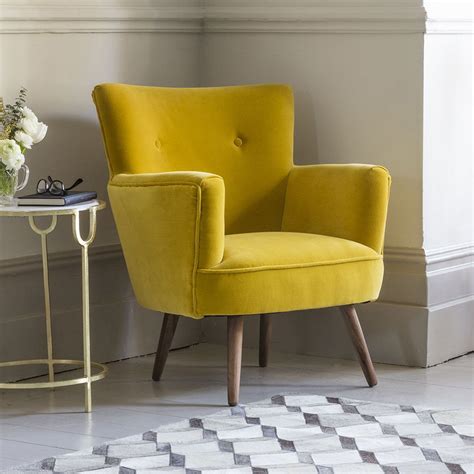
(60, 71)
(358, 99)
(448, 192)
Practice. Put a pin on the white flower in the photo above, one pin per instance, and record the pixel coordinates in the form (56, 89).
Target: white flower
(23, 139)
(28, 125)
(11, 155)
(29, 114)
(40, 132)
(31, 126)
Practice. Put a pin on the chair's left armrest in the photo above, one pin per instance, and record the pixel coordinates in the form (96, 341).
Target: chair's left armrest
(170, 224)
(346, 201)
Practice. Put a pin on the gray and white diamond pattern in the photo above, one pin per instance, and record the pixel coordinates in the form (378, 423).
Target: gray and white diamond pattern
(290, 434)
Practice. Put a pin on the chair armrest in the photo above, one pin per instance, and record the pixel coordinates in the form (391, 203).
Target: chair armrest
(170, 224)
(346, 201)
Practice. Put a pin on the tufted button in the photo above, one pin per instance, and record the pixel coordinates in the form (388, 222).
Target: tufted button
(238, 142)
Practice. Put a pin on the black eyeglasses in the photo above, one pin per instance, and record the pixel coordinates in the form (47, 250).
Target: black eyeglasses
(55, 186)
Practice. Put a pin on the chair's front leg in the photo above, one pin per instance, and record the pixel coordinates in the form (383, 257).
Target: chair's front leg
(235, 333)
(358, 339)
(168, 328)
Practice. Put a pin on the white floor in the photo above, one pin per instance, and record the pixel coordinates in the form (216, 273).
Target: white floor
(37, 424)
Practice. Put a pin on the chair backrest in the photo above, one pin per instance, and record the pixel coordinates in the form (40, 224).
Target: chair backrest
(242, 133)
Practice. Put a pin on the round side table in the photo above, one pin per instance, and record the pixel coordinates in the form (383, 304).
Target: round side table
(73, 210)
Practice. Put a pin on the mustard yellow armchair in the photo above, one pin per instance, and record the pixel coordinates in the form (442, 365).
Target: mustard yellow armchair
(214, 218)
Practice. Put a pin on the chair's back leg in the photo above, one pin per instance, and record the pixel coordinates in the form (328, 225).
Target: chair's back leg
(168, 328)
(358, 339)
(265, 339)
(235, 333)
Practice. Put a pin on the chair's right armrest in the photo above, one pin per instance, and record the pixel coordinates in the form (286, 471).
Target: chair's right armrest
(341, 200)
(169, 224)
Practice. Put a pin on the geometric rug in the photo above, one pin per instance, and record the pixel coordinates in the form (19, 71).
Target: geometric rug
(290, 434)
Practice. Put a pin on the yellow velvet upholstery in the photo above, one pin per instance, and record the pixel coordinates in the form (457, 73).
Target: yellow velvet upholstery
(170, 224)
(213, 217)
(267, 272)
(244, 134)
(346, 201)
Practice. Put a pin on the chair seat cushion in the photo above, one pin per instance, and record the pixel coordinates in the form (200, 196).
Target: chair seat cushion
(267, 272)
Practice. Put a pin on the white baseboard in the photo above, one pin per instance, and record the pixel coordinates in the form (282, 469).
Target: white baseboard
(428, 278)
(425, 314)
(396, 334)
(450, 330)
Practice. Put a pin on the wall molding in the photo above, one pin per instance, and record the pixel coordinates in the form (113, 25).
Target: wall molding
(413, 276)
(315, 16)
(213, 16)
(237, 16)
(448, 255)
(404, 255)
(100, 16)
(427, 278)
(449, 16)
(30, 263)
(430, 257)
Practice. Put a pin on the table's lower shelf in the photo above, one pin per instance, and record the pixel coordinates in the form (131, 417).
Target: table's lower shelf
(53, 384)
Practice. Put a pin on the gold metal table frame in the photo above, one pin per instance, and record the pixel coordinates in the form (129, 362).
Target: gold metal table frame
(54, 212)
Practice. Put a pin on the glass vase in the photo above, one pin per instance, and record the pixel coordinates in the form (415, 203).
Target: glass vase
(10, 184)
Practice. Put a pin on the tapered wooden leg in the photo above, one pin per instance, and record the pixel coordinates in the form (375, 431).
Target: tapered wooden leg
(235, 333)
(168, 328)
(265, 339)
(358, 339)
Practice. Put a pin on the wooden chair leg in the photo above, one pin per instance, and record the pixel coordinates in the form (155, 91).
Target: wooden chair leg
(358, 339)
(235, 332)
(168, 328)
(265, 339)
